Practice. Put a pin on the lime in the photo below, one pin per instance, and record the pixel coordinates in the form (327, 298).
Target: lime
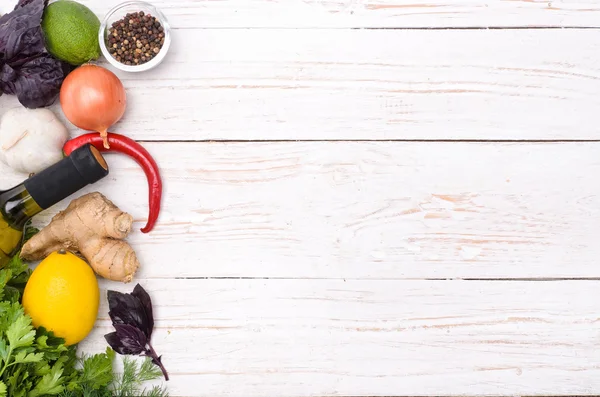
(71, 32)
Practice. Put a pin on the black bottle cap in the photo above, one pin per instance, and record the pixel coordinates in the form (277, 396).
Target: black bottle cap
(83, 167)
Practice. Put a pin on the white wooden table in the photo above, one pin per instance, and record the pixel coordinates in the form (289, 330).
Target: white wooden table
(361, 202)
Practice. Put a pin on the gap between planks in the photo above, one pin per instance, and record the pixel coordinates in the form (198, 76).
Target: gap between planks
(542, 27)
(311, 14)
(519, 279)
(300, 85)
(524, 141)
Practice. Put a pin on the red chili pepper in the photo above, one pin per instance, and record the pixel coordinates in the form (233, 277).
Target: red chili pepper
(122, 144)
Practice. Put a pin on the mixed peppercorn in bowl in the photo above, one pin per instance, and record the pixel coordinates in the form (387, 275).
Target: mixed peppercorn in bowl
(135, 36)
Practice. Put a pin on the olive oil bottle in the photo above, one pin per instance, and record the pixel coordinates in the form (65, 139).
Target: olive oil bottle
(17, 205)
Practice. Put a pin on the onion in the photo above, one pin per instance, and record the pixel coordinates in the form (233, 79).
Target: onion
(93, 99)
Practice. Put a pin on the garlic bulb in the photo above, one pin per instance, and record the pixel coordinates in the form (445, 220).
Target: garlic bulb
(31, 140)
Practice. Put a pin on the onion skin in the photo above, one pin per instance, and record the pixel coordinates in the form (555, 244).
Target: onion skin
(93, 99)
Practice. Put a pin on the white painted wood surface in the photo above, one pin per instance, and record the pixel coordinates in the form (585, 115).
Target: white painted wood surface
(262, 84)
(381, 210)
(339, 267)
(196, 14)
(367, 338)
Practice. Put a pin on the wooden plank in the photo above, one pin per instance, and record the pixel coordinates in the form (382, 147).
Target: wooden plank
(374, 84)
(349, 338)
(371, 13)
(366, 210)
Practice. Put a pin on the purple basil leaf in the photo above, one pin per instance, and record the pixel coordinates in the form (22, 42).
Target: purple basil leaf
(21, 30)
(127, 340)
(26, 68)
(131, 336)
(146, 302)
(22, 3)
(127, 309)
(114, 342)
(36, 83)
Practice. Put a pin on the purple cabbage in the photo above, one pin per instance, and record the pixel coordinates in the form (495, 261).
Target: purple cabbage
(27, 70)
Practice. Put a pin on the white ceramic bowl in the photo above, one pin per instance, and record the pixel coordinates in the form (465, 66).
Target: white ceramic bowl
(118, 13)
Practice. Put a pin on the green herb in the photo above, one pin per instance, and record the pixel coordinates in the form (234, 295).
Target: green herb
(133, 376)
(96, 379)
(31, 361)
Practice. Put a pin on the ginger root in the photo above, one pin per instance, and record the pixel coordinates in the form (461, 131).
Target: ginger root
(95, 228)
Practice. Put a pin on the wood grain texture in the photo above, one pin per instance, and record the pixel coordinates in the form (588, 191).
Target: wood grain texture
(373, 84)
(372, 13)
(350, 338)
(334, 268)
(382, 210)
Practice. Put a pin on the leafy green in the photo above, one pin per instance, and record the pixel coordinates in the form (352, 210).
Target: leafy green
(29, 365)
(51, 383)
(15, 274)
(35, 363)
(52, 347)
(97, 370)
(101, 382)
(29, 232)
(20, 333)
(130, 382)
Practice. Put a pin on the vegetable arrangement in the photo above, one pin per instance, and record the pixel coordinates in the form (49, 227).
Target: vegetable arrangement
(91, 97)
(45, 54)
(34, 362)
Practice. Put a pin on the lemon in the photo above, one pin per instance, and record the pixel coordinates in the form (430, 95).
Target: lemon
(62, 295)
(71, 32)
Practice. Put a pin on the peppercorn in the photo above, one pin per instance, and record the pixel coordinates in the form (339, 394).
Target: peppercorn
(135, 39)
